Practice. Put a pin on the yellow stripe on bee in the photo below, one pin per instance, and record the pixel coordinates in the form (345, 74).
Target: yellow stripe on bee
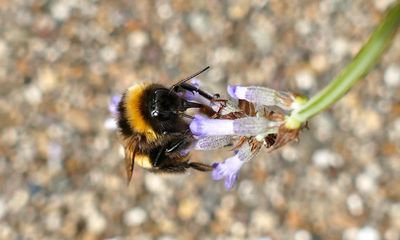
(135, 117)
(143, 161)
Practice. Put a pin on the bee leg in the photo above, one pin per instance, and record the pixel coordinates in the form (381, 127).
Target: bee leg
(200, 166)
(188, 104)
(175, 146)
(158, 157)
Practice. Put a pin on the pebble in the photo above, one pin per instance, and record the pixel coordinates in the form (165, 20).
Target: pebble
(392, 76)
(355, 205)
(135, 216)
(96, 221)
(263, 221)
(305, 80)
(365, 183)
(187, 208)
(53, 221)
(61, 10)
(164, 10)
(340, 47)
(33, 95)
(383, 4)
(368, 233)
(138, 39)
(302, 235)
(47, 79)
(154, 183)
(108, 54)
(325, 158)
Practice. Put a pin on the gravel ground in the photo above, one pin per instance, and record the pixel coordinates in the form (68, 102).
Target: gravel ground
(61, 167)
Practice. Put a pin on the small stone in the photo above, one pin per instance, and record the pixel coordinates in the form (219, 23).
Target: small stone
(340, 47)
(187, 208)
(368, 233)
(138, 39)
(305, 79)
(47, 79)
(53, 221)
(61, 10)
(154, 183)
(164, 9)
(383, 4)
(135, 217)
(325, 158)
(199, 23)
(238, 229)
(96, 222)
(303, 27)
(173, 44)
(110, 123)
(355, 205)
(350, 234)
(108, 54)
(33, 95)
(263, 221)
(365, 183)
(290, 153)
(302, 235)
(392, 76)
(238, 9)
(319, 63)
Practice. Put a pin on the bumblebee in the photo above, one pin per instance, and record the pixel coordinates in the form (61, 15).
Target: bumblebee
(153, 130)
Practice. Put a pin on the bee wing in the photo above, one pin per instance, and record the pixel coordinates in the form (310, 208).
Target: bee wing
(130, 152)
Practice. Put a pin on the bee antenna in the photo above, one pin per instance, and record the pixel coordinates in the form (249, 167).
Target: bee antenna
(188, 78)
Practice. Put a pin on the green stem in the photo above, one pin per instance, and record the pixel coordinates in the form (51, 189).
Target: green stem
(366, 58)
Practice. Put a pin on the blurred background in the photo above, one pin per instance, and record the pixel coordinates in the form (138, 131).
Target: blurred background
(61, 167)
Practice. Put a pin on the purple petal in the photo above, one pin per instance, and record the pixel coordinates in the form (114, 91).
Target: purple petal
(217, 174)
(231, 91)
(201, 126)
(229, 170)
(237, 92)
(261, 95)
(230, 180)
(195, 82)
(113, 104)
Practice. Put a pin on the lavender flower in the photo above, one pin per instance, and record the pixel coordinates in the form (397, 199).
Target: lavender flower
(255, 121)
(248, 126)
(110, 123)
(113, 104)
(229, 169)
(262, 96)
